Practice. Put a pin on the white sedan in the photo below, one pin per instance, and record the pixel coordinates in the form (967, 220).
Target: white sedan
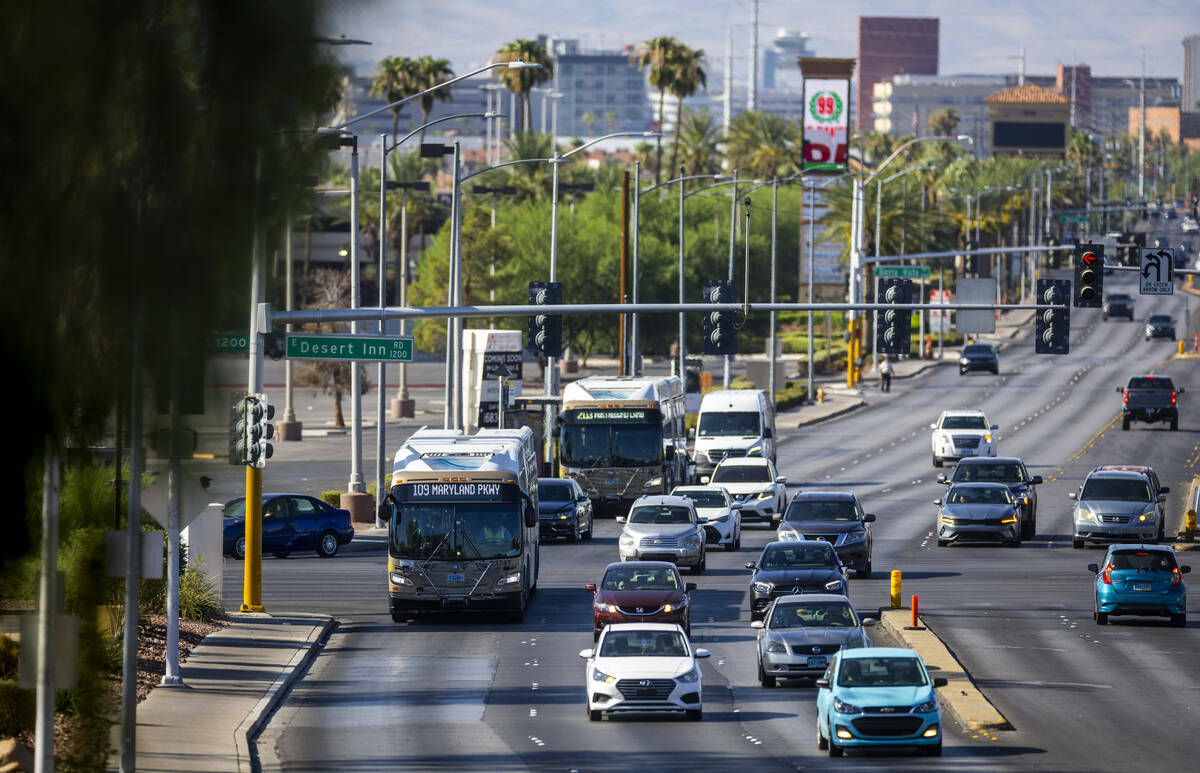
(643, 667)
(720, 516)
(755, 484)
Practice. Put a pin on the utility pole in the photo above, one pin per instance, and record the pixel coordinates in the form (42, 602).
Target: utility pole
(752, 81)
(47, 612)
(1142, 132)
(622, 341)
(727, 375)
(727, 106)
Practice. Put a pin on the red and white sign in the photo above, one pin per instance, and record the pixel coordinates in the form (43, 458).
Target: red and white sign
(826, 124)
(940, 318)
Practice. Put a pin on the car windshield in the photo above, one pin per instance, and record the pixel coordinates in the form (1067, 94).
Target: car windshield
(643, 644)
(1117, 489)
(979, 495)
(1142, 560)
(1159, 318)
(989, 472)
(741, 473)
(964, 422)
(1151, 382)
(817, 510)
(725, 423)
(794, 556)
(660, 514)
(236, 508)
(703, 498)
(1119, 298)
(640, 578)
(463, 531)
(828, 614)
(978, 349)
(881, 672)
(555, 492)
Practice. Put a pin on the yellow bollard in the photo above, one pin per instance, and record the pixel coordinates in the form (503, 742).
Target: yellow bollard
(1189, 526)
(820, 394)
(895, 589)
(1181, 346)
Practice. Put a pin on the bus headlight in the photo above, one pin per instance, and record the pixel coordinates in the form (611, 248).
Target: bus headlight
(655, 482)
(399, 579)
(510, 579)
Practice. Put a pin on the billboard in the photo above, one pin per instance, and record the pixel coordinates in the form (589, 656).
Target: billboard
(826, 124)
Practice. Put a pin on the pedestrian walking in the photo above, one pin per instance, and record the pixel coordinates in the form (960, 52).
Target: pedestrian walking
(885, 373)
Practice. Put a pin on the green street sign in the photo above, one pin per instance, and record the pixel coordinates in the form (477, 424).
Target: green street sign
(903, 272)
(311, 346)
(230, 342)
(1072, 218)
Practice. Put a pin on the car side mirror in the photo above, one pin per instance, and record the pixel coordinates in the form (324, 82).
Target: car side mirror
(756, 623)
(620, 519)
(1036, 480)
(940, 681)
(938, 501)
(995, 426)
(591, 586)
(766, 433)
(1185, 569)
(1164, 489)
(1161, 498)
(703, 654)
(822, 683)
(1072, 495)
(933, 426)
(751, 565)
(867, 622)
(689, 586)
(781, 480)
(587, 654)
(1120, 389)
(1094, 568)
(869, 518)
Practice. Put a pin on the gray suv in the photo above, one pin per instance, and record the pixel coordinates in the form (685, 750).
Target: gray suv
(1117, 506)
(663, 528)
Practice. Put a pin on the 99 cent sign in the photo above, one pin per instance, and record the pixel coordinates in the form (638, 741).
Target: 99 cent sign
(826, 123)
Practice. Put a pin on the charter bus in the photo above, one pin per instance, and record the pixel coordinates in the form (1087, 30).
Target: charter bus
(622, 437)
(463, 522)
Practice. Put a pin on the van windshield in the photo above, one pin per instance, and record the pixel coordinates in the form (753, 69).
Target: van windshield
(724, 424)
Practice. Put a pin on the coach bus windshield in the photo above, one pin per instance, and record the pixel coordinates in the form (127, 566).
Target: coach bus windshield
(456, 531)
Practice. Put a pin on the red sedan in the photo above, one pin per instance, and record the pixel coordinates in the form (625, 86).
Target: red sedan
(641, 592)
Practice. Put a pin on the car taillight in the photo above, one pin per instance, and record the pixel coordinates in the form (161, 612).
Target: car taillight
(1173, 398)
(1127, 397)
(1106, 575)
(1176, 576)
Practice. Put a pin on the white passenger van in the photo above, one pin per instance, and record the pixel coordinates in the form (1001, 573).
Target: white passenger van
(733, 423)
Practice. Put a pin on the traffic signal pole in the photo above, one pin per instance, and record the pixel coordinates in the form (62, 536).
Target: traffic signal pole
(252, 576)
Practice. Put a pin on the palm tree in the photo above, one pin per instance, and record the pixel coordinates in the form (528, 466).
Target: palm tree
(658, 54)
(393, 81)
(687, 78)
(531, 180)
(698, 143)
(522, 81)
(943, 122)
(764, 144)
(428, 72)
(611, 117)
(590, 120)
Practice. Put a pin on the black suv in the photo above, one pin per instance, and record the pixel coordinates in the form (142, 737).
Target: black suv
(1117, 305)
(978, 357)
(1160, 326)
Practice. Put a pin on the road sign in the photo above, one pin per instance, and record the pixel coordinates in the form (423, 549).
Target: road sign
(1072, 218)
(902, 272)
(230, 342)
(312, 346)
(972, 290)
(1157, 271)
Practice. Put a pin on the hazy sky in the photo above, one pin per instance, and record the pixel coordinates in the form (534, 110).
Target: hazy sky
(1109, 35)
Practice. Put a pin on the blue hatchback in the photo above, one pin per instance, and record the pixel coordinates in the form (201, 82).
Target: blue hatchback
(1140, 580)
(878, 696)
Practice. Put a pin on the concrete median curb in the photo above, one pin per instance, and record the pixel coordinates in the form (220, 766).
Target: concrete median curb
(248, 730)
(960, 697)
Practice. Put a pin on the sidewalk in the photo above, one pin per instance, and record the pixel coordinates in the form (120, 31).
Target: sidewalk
(233, 680)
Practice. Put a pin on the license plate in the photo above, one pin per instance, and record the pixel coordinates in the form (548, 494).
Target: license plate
(1141, 586)
(814, 662)
(1114, 532)
(455, 578)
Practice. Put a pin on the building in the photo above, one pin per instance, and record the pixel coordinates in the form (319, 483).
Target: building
(606, 86)
(1191, 74)
(1075, 83)
(779, 60)
(1029, 120)
(1158, 120)
(890, 46)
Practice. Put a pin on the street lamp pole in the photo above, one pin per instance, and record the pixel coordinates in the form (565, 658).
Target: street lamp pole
(726, 376)
(635, 365)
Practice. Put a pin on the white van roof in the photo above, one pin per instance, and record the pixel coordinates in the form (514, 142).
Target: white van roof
(732, 400)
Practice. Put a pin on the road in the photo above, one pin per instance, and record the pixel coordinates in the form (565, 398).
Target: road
(476, 693)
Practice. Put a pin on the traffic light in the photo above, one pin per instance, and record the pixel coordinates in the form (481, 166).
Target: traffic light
(893, 333)
(1089, 275)
(720, 327)
(1052, 327)
(254, 428)
(273, 344)
(545, 330)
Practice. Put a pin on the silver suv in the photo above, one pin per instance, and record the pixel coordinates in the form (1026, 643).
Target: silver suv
(1117, 506)
(663, 528)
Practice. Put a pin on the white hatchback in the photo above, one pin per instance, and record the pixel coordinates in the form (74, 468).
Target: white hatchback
(756, 485)
(962, 433)
(720, 516)
(643, 667)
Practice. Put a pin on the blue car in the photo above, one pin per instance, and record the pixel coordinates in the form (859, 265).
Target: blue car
(290, 522)
(563, 510)
(878, 696)
(1140, 580)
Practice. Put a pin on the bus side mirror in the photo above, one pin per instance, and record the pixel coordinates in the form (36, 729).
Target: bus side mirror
(529, 511)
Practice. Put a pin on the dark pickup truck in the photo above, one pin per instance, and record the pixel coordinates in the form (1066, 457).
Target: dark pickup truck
(1150, 399)
(1117, 305)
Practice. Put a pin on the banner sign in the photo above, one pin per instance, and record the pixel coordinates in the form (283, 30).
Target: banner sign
(826, 124)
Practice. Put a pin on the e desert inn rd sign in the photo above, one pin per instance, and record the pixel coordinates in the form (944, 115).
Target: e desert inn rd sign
(360, 348)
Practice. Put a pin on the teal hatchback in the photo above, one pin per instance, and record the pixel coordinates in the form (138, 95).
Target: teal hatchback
(878, 696)
(1140, 580)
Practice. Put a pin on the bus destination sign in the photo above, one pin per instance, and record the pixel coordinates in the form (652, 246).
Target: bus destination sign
(610, 415)
(466, 491)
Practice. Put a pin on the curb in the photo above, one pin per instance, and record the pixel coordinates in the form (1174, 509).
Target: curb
(248, 730)
(960, 697)
(835, 414)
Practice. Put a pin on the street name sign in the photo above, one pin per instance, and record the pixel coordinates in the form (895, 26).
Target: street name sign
(1072, 218)
(1157, 272)
(902, 272)
(315, 346)
(230, 342)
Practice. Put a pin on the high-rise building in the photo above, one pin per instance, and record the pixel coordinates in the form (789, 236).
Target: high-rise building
(605, 86)
(888, 46)
(779, 61)
(1191, 73)
(1075, 83)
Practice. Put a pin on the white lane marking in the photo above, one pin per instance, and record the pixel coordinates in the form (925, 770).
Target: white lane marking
(537, 740)
(532, 712)
(535, 686)
(1044, 683)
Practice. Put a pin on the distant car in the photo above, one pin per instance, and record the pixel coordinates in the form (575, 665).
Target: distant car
(291, 522)
(663, 528)
(978, 357)
(1010, 471)
(788, 568)
(563, 509)
(640, 592)
(1169, 214)
(836, 517)
(1118, 505)
(720, 516)
(978, 511)
(1150, 399)
(755, 484)
(1117, 305)
(800, 634)
(1189, 225)
(878, 696)
(1160, 326)
(1140, 580)
(962, 433)
(643, 667)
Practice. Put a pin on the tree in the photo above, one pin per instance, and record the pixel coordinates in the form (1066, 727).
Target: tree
(944, 122)
(589, 119)
(328, 288)
(657, 54)
(393, 80)
(763, 145)
(687, 77)
(699, 143)
(521, 81)
(610, 117)
(426, 73)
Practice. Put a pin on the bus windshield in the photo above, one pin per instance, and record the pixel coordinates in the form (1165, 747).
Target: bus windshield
(612, 445)
(460, 531)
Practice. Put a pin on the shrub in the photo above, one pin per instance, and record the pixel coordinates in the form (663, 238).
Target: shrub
(197, 597)
(17, 709)
(332, 498)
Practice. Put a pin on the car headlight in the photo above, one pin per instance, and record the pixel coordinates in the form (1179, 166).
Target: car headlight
(510, 579)
(755, 451)
(654, 482)
(788, 535)
(854, 644)
(675, 607)
(766, 494)
(858, 536)
(720, 519)
(1010, 519)
(564, 516)
(987, 438)
(399, 579)
(1085, 514)
(605, 607)
(692, 541)
(926, 707)
(963, 361)
(691, 676)
(946, 519)
(776, 646)
(600, 676)
(841, 707)
(833, 585)
(763, 587)
(1149, 515)
(627, 541)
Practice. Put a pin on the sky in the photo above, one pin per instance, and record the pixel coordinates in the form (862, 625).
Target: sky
(977, 36)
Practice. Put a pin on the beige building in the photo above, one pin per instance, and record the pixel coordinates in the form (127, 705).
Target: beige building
(1029, 120)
